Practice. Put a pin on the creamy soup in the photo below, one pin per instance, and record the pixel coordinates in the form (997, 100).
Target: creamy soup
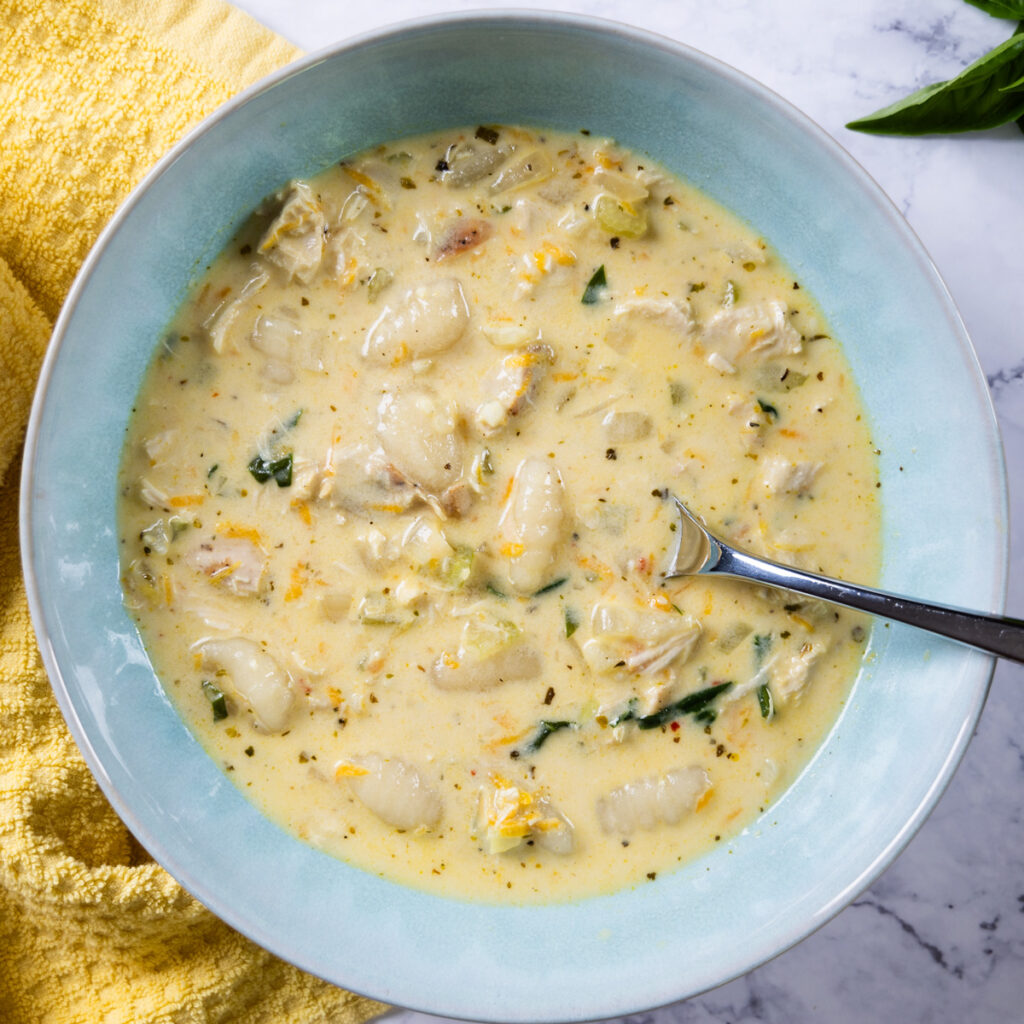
(394, 512)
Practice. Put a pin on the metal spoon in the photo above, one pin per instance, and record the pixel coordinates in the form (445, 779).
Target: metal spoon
(700, 552)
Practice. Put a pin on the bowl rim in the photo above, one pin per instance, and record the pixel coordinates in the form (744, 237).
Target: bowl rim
(535, 19)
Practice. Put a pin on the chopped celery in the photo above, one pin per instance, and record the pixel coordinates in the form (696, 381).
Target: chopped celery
(457, 568)
(379, 280)
(732, 636)
(485, 638)
(620, 218)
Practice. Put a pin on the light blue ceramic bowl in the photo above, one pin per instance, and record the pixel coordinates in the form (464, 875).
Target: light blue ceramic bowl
(913, 708)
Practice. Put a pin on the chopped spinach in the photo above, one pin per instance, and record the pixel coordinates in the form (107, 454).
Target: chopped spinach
(572, 621)
(596, 287)
(280, 469)
(696, 704)
(545, 729)
(553, 585)
(215, 695)
(762, 645)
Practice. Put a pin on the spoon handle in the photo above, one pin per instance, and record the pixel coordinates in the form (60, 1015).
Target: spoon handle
(994, 634)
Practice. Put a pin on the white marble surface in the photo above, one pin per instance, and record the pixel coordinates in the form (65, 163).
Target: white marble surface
(940, 936)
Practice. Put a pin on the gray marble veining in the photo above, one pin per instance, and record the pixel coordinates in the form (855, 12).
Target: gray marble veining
(939, 937)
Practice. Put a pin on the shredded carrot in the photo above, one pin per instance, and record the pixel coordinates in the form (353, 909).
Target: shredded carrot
(186, 500)
(300, 577)
(350, 272)
(303, 509)
(376, 195)
(595, 565)
(236, 530)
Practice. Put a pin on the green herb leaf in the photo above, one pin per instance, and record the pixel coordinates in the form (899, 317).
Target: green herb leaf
(762, 645)
(1009, 9)
(692, 704)
(596, 287)
(488, 134)
(544, 730)
(768, 409)
(553, 585)
(280, 469)
(982, 96)
(572, 621)
(765, 700)
(215, 695)
(628, 714)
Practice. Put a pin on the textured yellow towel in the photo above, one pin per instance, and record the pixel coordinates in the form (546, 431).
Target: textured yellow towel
(91, 930)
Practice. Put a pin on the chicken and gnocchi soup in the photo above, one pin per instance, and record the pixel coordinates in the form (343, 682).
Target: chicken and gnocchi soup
(394, 514)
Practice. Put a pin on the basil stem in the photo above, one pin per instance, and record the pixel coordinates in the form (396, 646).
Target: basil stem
(986, 94)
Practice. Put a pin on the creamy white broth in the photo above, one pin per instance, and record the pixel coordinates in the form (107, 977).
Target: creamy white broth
(393, 515)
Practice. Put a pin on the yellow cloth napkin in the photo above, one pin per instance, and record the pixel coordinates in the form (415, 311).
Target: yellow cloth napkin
(91, 929)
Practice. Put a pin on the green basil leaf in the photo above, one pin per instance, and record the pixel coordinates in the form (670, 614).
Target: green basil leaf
(973, 101)
(215, 695)
(280, 469)
(553, 585)
(1009, 9)
(544, 730)
(596, 287)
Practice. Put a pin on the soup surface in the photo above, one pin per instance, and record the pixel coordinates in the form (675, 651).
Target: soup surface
(393, 514)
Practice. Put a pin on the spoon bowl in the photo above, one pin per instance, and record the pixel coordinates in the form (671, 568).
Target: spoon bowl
(698, 552)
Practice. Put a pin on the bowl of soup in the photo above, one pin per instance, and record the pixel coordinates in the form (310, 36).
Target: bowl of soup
(348, 574)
